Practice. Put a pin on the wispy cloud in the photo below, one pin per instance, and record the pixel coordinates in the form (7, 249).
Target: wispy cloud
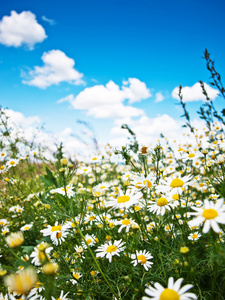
(50, 21)
(57, 68)
(159, 97)
(21, 29)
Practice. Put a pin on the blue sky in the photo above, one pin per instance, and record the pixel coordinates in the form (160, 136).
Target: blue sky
(157, 44)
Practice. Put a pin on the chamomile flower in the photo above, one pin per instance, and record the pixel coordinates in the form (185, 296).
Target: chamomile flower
(68, 191)
(61, 297)
(57, 232)
(40, 254)
(109, 250)
(26, 227)
(141, 182)
(173, 291)
(90, 240)
(161, 205)
(194, 236)
(126, 223)
(126, 200)
(210, 214)
(21, 282)
(142, 257)
(174, 183)
(14, 239)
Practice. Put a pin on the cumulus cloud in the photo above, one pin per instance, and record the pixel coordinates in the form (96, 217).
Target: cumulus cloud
(29, 128)
(107, 101)
(21, 29)
(57, 68)
(136, 91)
(148, 129)
(194, 93)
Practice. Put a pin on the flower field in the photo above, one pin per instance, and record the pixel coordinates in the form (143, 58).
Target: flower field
(137, 222)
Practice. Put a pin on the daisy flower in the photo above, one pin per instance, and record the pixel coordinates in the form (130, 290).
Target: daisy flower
(21, 282)
(61, 297)
(210, 214)
(40, 254)
(173, 291)
(109, 249)
(14, 239)
(161, 205)
(57, 233)
(126, 223)
(126, 200)
(90, 239)
(64, 191)
(143, 182)
(174, 183)
(194, 236)
(26, 227)
(142, 257)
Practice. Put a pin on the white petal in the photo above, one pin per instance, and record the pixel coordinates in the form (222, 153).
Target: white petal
(185, 288)
(215, 226)
(206, 226)
(170, 283)
(177, 284)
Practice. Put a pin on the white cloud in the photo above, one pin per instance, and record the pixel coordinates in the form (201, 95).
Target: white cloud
(29, 128)
(159, 97)
(147, 129)
(57, 68)
(50, 21)
(194, 93)
(21, 29)
(107, 101)
(136, 91)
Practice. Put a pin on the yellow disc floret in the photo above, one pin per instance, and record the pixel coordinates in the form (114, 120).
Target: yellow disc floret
(123, 199)
(169, 294)
(162, 201)
(209, 213)
(111, 248)
(177, 182)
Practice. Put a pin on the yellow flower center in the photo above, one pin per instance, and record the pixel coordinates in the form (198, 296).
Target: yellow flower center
(142, 259)
(126, 222)
(91, 218)
(88, 241)
(177, 182)
(102, 187)
(209, 213)
(12, 163)
(55, 228)
(191, 155)
(41, 256)
(111, 248)
(162, 201)
(123, 199)
(26, 228)
(194, 236)
(176, 197)
(137, 185)
(201, 184)
(148, 183)
(76, 276)
(169, 294)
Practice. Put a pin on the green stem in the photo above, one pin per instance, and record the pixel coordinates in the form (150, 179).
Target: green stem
(97, 264)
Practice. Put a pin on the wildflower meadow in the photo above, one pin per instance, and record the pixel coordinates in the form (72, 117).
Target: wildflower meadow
(135, 222)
